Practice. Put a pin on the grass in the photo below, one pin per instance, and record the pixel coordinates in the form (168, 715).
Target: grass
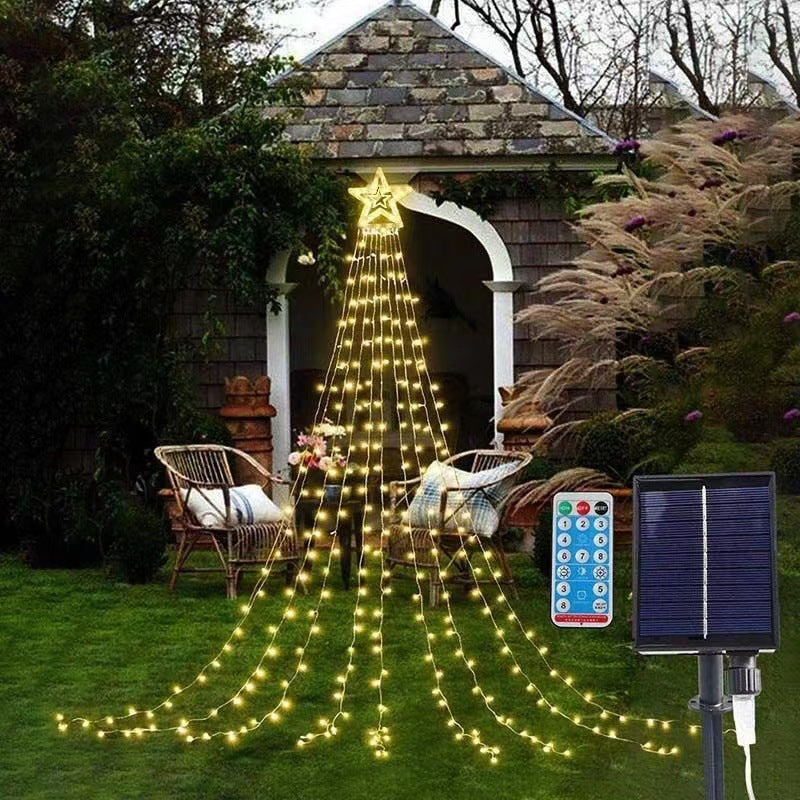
(75, 642)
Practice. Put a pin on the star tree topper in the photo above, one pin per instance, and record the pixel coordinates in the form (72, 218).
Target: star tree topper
(380, 201)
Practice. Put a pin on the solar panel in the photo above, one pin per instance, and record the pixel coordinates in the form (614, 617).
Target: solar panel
(704, 563)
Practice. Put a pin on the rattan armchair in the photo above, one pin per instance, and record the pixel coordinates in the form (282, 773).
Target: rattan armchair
(204, 467)
(444, 553)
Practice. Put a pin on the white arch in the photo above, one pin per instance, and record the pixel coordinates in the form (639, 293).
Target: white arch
(502, 287)
(502, 284)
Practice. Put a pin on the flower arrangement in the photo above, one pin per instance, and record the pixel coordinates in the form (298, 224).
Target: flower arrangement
(312, 448)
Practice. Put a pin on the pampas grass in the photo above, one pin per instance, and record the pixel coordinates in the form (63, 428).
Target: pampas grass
(649, 279)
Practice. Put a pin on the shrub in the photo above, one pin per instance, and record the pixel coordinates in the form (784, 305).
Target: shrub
(786, 464)
(140, 541)
(543, 550)
(622, 445)
(720, 452)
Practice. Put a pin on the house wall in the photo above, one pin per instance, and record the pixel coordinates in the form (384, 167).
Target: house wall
(241, 350)
(540, 242)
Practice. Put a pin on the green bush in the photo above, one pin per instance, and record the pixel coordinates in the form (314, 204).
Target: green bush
(140, 541)
(786, 465)
(720, 452)
(543, 549)
(621, 446)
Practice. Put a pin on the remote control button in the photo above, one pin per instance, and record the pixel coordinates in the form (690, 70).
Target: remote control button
(600, 524)
(564, 556)
(600, 606)
(581, 594)
(600, 556)
(562, 588)
(564, 523)
(600, 573)
(582, 556)
(601, 507)
(583, 507)
(600, 589)
(601, 540)
(582, 524)
(562, 604)
(564, 507)
(563, 572)
(564, 540)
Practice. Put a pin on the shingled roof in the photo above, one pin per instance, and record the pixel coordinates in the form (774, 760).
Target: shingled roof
(399, 83)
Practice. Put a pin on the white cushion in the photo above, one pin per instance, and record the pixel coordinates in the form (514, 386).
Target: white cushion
(249, 506)
(467, 508)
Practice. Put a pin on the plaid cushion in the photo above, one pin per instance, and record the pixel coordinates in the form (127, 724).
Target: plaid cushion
(471, 508)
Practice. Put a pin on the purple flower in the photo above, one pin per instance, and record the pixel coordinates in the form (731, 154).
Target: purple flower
(792, 414)
(693, 416)
(626, 146)
(634, 223)
(728, 135)
(792, 316)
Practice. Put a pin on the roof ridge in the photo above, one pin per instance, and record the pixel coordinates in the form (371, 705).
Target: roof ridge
(427, 15)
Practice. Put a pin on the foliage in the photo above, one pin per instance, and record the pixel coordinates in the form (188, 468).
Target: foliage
(786, 465)
(687, 297)
(718, 451)
(140, 542)
(104, 218)
(571, 189)
(543, 548)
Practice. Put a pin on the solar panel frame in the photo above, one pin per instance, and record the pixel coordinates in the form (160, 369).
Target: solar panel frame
(724, 630)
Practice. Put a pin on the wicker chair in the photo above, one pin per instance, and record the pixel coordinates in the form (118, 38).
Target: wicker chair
(411, 546)
(202, 467)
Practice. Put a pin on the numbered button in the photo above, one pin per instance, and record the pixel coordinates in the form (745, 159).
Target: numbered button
(600, 606)
(600, 573)
(564, 523)
(564, 556)
(563, 572)
(562, 588)
(582, 556)
(600, 556)
(582, 523)
(564, 540)
(600, 589)
(562, 604)
(601, 524)
(600, 540)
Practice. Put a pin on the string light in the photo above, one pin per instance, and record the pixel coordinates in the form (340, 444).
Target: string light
(377, 342)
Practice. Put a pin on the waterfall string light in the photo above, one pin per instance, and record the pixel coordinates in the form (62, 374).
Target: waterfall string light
(377, 382)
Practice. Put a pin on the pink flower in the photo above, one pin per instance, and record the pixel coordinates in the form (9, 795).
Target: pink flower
(693, 416)
(792, 414)
(294, 459)
(792, 316)
(325, 463)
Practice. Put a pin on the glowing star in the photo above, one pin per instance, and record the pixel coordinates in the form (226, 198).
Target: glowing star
(380, 201)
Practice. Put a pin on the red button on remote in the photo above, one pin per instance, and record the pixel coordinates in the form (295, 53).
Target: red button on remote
(583, 507)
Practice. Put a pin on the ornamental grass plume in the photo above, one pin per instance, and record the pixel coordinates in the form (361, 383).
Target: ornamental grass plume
(706, 203)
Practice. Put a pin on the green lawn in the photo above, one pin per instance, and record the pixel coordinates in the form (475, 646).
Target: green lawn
(78, 643)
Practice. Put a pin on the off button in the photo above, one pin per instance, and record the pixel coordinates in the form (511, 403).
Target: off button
(583, 507)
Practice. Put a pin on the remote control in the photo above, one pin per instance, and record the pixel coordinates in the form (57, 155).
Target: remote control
(583, 554)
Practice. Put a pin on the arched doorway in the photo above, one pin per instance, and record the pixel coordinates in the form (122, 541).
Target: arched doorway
(451, 245)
